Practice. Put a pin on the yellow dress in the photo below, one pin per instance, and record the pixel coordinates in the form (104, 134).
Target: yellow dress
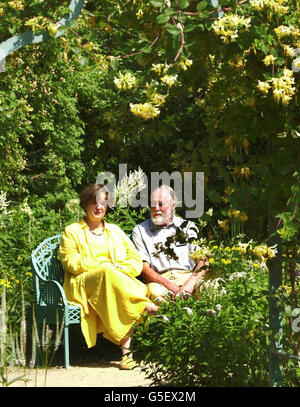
(100, 277)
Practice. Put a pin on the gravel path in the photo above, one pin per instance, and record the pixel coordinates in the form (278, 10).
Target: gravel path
(98, 374)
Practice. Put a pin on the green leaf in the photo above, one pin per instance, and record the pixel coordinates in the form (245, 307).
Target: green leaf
(162, 19)
(183, 4)
(202, 5)
(213, 196)
(156, 3)
(172, 29)
(114, 63)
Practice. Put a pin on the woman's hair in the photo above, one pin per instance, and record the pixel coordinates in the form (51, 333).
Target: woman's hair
(91, 193)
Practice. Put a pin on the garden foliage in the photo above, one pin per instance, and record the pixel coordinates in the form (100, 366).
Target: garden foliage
(165, 85)
(221, 337)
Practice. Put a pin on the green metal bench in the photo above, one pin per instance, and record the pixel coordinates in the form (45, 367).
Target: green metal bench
(50, 299)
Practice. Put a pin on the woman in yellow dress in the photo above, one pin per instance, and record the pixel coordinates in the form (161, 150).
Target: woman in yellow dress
(101, 265)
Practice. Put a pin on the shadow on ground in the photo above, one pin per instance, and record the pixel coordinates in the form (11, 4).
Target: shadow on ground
(105, 353)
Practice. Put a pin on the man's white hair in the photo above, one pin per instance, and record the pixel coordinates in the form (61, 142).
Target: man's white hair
(170, 191)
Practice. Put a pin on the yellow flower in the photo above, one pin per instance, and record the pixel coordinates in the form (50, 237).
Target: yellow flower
(288, 51)
(229, 140)
(2, 12)
(185, 63)
(263, 87)
(283, 31)
(243, 217)
(169, 79)
(126, 81)
(16, 5)
(160, 68)
(146, 111)
(272, 6)
(227, 27)
(224, 224)
(226, 261)
(233, 213)
(246, 145)
(283, 89)
(245, 172)
(269, 59)
(5, 282)
(158, 99)
(296, 63)
(139, 14)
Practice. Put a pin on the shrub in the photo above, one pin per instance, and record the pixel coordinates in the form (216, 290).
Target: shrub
(220, 339)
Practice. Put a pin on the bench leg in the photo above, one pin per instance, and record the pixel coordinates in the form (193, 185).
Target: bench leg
(66, 346)
(38, 361)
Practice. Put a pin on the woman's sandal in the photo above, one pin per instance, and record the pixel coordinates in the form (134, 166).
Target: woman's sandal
(127, 363)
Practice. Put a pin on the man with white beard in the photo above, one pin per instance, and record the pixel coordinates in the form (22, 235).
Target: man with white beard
(163, 274)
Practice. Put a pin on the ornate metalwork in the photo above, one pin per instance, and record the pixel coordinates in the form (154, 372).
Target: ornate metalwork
(29, 37)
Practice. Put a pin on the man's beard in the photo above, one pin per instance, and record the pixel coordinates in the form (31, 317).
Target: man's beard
(162, 219)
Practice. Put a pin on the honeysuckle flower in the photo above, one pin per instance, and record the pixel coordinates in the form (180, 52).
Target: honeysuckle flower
(158, 99)
(296, 64)
(125, 81)
(160, 68)
(185, 63)
(283, 31)
(139, 14)
(146, 111)
(269, 59)
(288, 51)
(273, 6)
(16, 5)
(263, 87)
(169, 79)
(227, 27)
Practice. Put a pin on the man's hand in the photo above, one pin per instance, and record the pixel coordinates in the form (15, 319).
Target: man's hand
(200, 264)
(172, 287)
(152, 276)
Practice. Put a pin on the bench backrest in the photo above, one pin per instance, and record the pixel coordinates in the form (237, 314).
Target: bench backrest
(46, 266)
